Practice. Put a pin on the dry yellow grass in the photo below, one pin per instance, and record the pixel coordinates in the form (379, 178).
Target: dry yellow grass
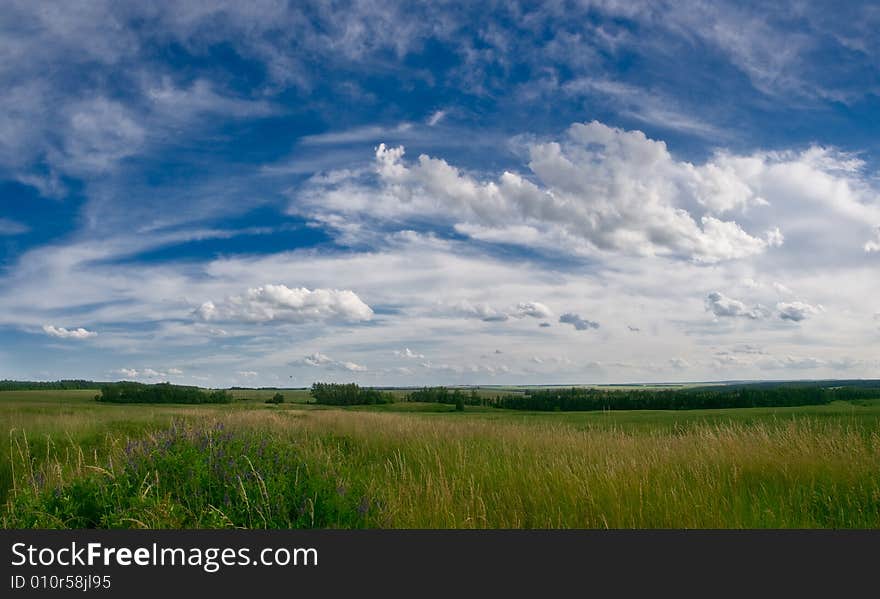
(460, 473)
(463, 472)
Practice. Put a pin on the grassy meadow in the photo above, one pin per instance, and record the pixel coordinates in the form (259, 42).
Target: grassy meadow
(69, 461)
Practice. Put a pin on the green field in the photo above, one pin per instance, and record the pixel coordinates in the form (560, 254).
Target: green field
(69, 461)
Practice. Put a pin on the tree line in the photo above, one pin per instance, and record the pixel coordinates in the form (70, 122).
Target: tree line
(744, 396)
(443, 395)
(129, 392)
(8, 385)
(348, 394)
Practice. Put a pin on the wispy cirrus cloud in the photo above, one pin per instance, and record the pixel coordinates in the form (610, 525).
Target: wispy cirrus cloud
(11, 227)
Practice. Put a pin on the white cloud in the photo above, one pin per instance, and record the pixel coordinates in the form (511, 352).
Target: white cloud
(436, 117)
(11, 227)
(147, 373)
(408, 354)
(603, 190)
(281, 303)
(726, 307)
(533, 309)
(797, 311)
(782, 289)
(481, 310)
(873, 245)
(488, 313)
(648, 106)
(101, 133)
(679, 363)
(600, 188)
(248, 373)
(468, 369)
(318, 359)
(356, 135)
(177, 104)
(793, 362)
(581, 324)
(353, 367)
(62, 333)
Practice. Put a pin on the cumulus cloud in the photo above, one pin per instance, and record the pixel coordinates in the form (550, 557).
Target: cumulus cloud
(62, 333)
(483, 311)
(533, 309)
(408, 354)
(797, 311)
(599, 188)
(317, 359)
(581, 324)
(146, 373)
(320, 360)
(723, 306)
(679, 363)
(488, 313)
(726, 307)
(281, 303)
(873, 245)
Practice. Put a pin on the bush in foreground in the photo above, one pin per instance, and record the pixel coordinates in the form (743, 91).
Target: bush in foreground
(192, 477)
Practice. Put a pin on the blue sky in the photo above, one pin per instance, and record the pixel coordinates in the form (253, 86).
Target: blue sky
(273, 193)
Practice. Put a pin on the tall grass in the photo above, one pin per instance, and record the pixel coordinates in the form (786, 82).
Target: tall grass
(185, 476)
(440, 471)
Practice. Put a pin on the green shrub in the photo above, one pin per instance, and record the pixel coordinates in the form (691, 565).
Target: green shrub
(349, 394)
(276, 399)
(129, 392)
(186, 477)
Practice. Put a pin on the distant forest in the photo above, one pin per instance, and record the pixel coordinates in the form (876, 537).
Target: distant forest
(728, 395)
(160, 393)
(349, 394)
(448, 396)
(7, 385)
(724, 396)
